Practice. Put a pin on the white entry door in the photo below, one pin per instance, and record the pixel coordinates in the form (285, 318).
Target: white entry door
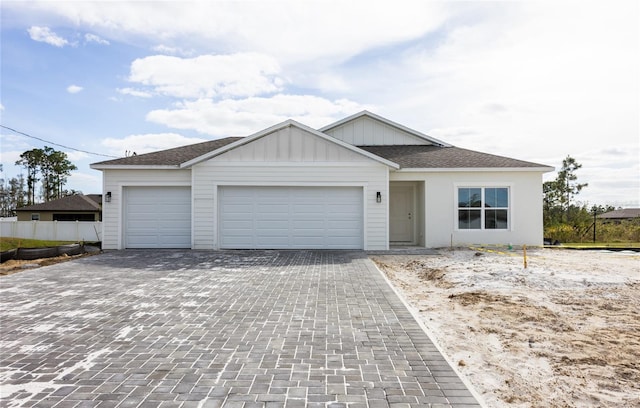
(401, 213)
(291, 217)
(157, 217)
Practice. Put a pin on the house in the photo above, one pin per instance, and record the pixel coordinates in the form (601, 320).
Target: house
(69, 208)
(623, 214)
(364, 182)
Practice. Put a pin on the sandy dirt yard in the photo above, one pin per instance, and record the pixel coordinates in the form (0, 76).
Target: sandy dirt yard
(564, 332)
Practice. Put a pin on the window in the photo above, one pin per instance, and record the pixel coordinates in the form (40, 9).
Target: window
(35, 217)
(483, 208)
(73, 217)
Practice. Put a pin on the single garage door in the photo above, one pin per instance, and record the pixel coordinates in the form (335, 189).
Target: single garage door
(291, 217)
(157, 217)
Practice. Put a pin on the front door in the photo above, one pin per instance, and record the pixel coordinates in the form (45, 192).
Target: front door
(401, 213)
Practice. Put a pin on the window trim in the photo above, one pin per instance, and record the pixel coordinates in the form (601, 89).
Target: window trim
(482, 208)
(35, 216)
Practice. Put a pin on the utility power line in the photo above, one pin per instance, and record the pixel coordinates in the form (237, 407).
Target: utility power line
(57, 144)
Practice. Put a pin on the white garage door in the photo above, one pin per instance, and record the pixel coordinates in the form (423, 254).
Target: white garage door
(291, 217)
(157, 217)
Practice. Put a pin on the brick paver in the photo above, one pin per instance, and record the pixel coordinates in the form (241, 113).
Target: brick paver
(212, 329)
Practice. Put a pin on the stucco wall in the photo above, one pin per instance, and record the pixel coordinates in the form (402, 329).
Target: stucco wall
(440, 212)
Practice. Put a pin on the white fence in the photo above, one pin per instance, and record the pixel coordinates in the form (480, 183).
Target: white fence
(53, 230)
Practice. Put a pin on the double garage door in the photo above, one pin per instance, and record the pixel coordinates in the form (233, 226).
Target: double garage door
(290, 217)
(249, 217)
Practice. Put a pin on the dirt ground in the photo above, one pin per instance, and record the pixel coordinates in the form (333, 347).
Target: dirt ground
(564, 332)
(13, 265)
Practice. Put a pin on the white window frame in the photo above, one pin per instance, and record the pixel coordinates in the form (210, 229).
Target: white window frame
(482, 208)
(35, 216)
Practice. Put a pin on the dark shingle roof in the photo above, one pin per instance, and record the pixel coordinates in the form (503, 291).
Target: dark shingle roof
(68, 203)
(623, 213)
(415, 156)
(407, 156)
(171, 157)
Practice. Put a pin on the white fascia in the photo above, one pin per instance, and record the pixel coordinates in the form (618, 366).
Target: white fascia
(133, 167)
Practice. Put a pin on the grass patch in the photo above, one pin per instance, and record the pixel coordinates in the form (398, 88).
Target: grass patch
(12, 243)
(601, 244)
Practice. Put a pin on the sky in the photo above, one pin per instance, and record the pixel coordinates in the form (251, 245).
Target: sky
(534, 80)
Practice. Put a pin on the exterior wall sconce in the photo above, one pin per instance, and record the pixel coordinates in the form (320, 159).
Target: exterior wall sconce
(107, 198)
(378, 197)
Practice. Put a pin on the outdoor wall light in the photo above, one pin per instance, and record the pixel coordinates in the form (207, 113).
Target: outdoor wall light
(107, 198)
(378, 197)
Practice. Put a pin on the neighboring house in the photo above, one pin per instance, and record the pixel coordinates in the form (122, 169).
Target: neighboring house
(622, 214)
(363, 182)
(69, 208)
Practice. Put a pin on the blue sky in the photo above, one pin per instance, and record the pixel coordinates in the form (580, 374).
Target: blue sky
(534, 80)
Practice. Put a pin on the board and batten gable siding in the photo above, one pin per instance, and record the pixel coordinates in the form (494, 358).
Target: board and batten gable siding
(115, 180)
(441, 217)
(366, 131)
(291, 144)
(289, 157)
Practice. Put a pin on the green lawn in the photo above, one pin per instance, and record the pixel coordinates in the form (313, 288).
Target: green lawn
(11, 243)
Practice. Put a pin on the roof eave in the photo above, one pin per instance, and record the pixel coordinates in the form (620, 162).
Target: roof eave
(134, 167)
(470, 169)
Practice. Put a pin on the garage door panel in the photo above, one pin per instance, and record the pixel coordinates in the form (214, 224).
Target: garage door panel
(268, 242)
(310, 224)
(157, 217)
(347, 223)
(291, 217)
(243, 224)
(317, 209)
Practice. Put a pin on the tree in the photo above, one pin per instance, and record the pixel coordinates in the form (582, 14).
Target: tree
(31, 160)
(566, 182)
(12, 195)
(52, 166)
(55, 169)
(559, 193)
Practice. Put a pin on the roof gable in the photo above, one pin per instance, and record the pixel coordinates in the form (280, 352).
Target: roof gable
(368, 129)
(284, 131)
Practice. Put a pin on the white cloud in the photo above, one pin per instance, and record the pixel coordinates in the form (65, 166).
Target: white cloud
(88, 183)
(242, 117)
(242, 74)
(1, 107)
(525, 80)
(289, 30)
(145, 143)
(75, 156)
(134, 92)
(168, 50)
(44, 34)
(73, 89)
(88, 37)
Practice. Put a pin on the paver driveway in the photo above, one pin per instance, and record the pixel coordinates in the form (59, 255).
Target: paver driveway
(208, 329)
